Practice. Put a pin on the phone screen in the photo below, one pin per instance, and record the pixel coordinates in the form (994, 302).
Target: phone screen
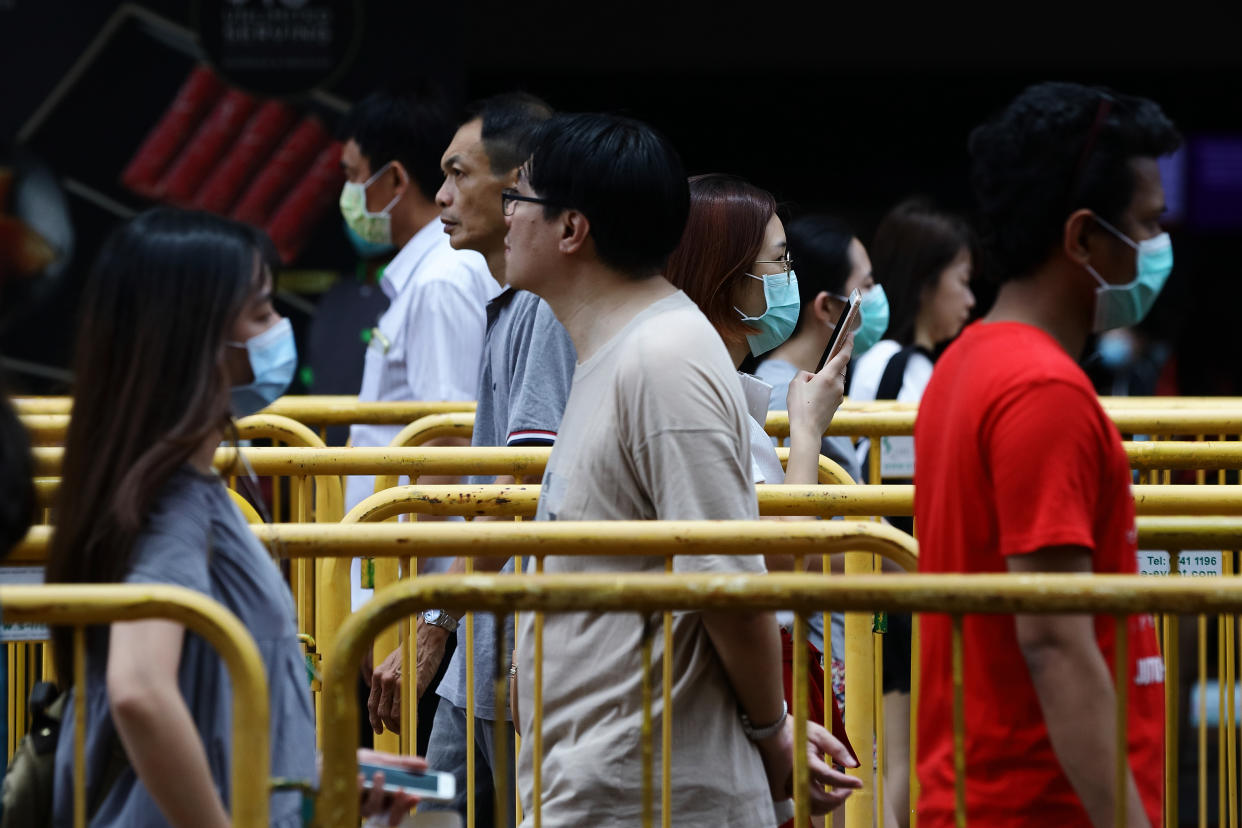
(395, 779)
(851, 308)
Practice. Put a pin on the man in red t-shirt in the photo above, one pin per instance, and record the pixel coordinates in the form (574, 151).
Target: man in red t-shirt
(1018, 469)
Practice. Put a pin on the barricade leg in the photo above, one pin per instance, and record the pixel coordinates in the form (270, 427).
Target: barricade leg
(666, 720)
(914, 719)
(959, 727)
(1231, 730)
(648, 738)
(859, 701)
(801, 774)
(1172, 673)
(385, 643)
(332, 607)
(1121, 670)
(1201, 701)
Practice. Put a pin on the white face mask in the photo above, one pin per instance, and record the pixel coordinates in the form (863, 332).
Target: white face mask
(371, 228)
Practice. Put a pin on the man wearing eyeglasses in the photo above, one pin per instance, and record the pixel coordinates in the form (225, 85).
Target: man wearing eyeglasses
(655, 428)
(1019, 469)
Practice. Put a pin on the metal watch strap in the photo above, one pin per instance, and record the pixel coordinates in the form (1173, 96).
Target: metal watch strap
(441, 619)
(759, 734)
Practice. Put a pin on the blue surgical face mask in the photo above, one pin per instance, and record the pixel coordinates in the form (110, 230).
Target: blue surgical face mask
(273, 359)
(871, 329)
(777, 323)
(1120, 306)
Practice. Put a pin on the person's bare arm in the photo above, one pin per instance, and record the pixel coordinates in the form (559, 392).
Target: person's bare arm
(155, 726)
(749, 647)
(1075, 690)
(384, 702)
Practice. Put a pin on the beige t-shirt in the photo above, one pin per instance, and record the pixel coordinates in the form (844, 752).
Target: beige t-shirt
(655, 428)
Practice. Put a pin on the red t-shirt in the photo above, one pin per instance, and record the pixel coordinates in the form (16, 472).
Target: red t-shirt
(1014, 453)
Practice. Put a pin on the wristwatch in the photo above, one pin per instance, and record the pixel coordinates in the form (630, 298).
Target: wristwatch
(758, 734)
(441, 619)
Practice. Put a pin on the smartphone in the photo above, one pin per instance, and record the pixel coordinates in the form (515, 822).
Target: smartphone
(436, 785)
(850, 318)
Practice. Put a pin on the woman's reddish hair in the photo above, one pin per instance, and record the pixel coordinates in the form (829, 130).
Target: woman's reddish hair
(724, 234)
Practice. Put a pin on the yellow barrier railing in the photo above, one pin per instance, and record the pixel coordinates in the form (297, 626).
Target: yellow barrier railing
(81, 606)
(47, 418)
(1209, 455)
(897, 419)
(659, 538)
(827, 500)
(774, 500)
(955, 595)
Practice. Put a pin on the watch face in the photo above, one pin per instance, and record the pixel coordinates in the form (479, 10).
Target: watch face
(440, 618)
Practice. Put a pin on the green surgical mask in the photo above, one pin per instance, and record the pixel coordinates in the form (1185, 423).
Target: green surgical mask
(375, 229)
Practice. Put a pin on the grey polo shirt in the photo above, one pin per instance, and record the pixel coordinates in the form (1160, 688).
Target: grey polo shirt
(527, 368)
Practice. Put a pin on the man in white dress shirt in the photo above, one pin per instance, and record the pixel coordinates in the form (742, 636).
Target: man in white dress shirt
(427, 345)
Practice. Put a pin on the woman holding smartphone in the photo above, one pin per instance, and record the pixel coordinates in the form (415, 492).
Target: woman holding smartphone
(178, 336)
(733, 262)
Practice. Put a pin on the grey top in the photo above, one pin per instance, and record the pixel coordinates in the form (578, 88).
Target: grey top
(778, 374)
(528, 366)
(195, 537)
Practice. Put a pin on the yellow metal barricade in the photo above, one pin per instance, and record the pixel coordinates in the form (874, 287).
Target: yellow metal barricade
(641, 538)
(81, 606)
(608, 538)
(955, 595)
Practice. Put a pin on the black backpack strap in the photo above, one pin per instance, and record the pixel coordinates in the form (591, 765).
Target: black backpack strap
(890, 384)
(894, 374)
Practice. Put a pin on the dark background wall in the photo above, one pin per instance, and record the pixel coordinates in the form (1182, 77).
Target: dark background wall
(845, 110)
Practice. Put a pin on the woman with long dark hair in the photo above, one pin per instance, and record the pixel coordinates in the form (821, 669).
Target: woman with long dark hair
(178, 335)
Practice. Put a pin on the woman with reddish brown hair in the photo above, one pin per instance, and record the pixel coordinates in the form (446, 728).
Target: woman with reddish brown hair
(733, 261)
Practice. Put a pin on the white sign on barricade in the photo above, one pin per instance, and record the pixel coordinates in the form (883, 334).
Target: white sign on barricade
(896, 457)
(22, 576)
(1190, 562)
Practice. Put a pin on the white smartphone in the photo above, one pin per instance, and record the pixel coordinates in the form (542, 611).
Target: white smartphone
(430, 784)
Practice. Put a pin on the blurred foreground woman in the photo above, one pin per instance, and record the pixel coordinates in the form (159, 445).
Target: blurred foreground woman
(178, 336)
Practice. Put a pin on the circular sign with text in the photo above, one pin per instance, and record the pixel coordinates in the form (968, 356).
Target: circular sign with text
(279, 47)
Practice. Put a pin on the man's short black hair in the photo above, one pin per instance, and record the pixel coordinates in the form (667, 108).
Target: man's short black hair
(411, 129)
(1056, 148)
(508, 121)
(623, 176)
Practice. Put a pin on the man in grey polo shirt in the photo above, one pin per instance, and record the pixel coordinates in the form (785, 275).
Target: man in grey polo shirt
(527, 368)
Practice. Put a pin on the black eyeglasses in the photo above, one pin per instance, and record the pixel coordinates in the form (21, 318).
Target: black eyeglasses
(509, 199)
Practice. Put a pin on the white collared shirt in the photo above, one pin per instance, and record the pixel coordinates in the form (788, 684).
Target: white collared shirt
(429, 341)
